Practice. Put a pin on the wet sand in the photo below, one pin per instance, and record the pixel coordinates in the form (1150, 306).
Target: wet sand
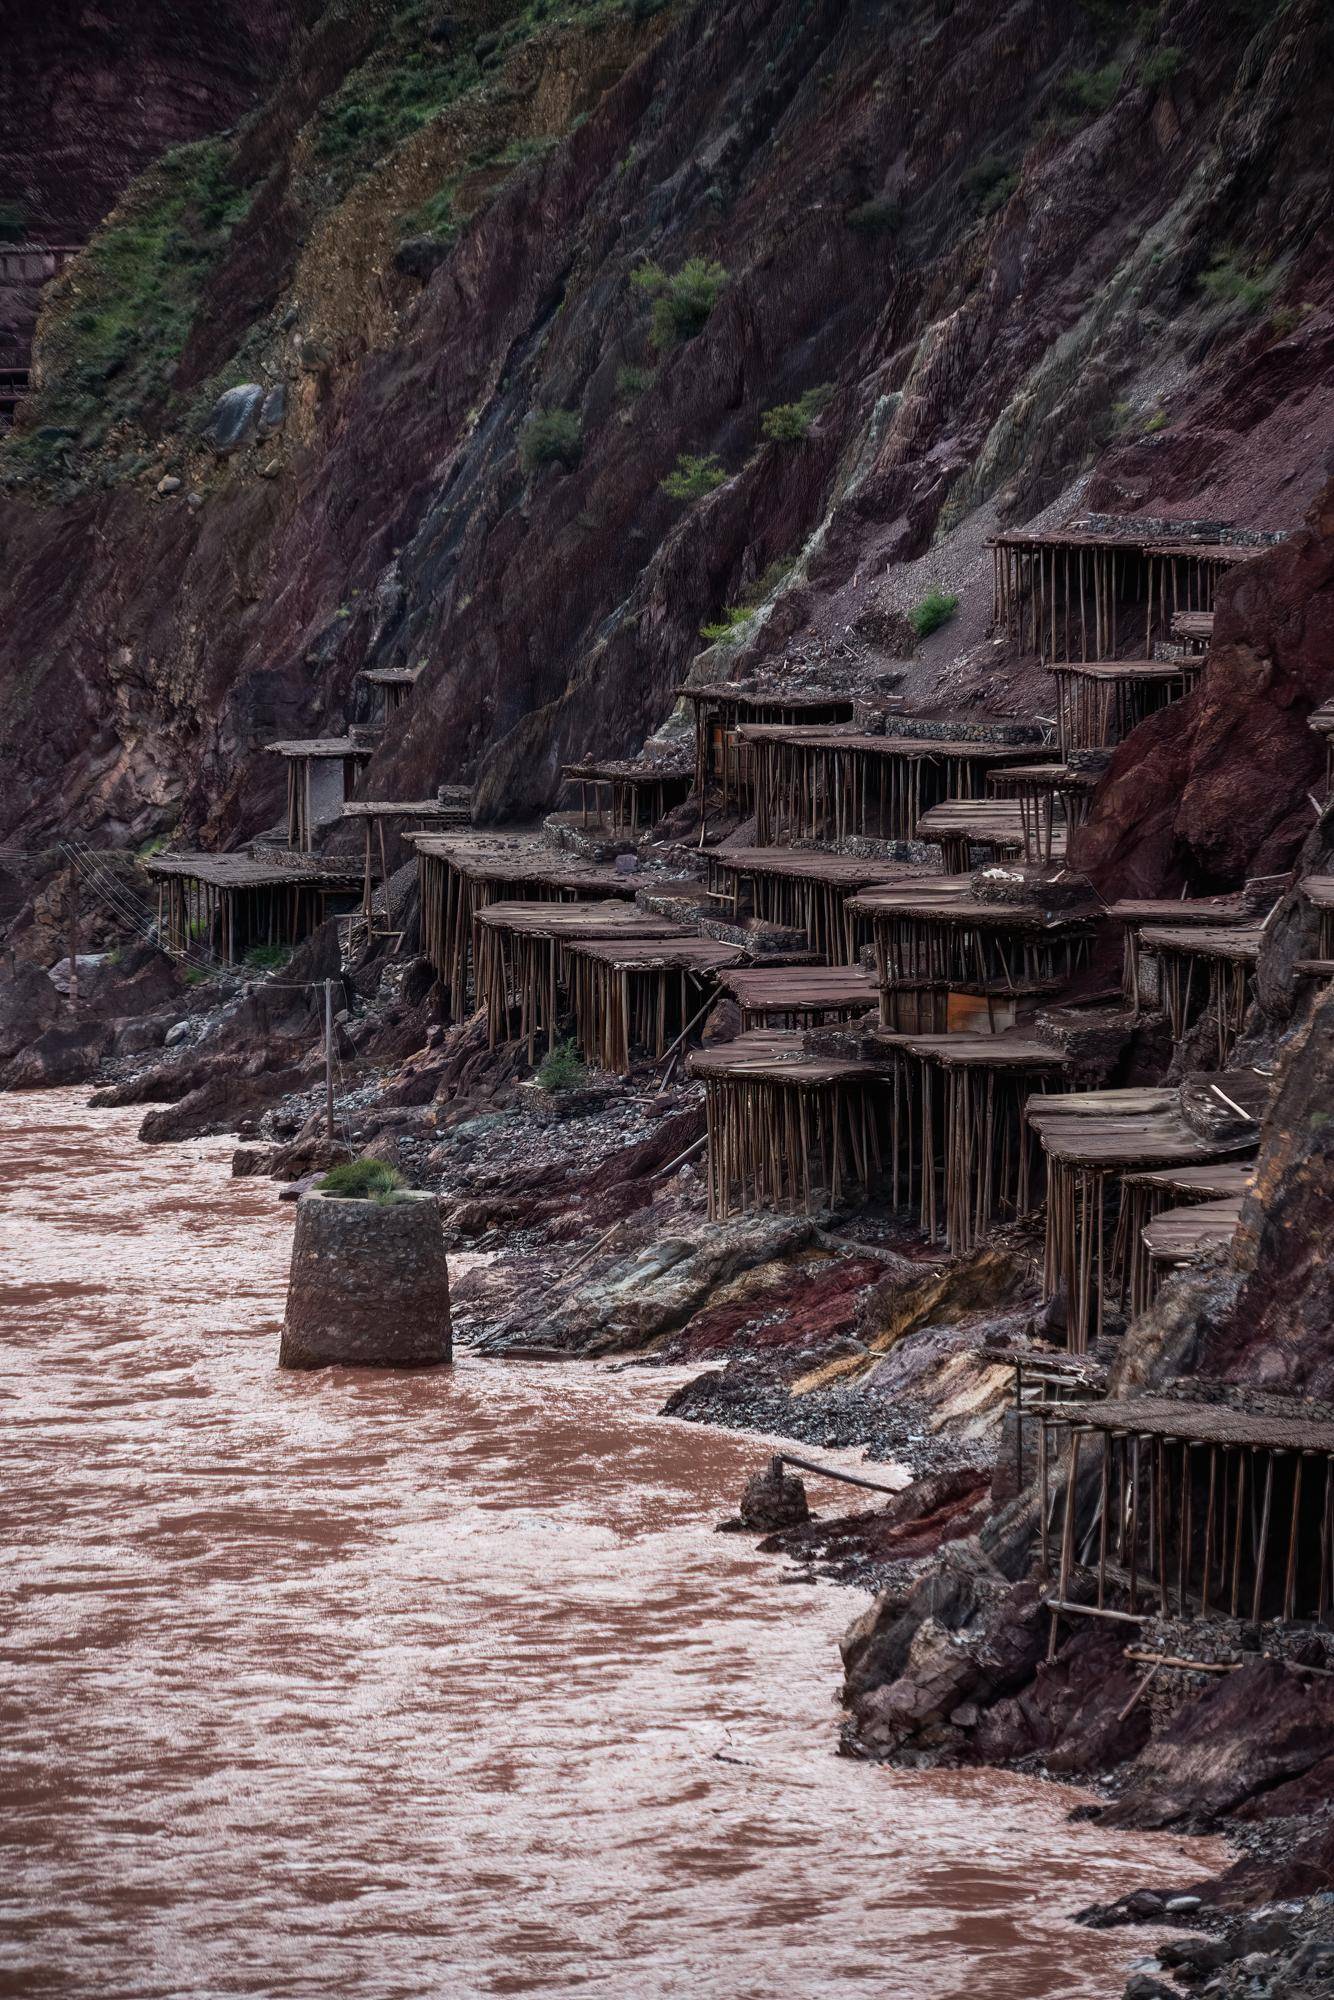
(435, 1684)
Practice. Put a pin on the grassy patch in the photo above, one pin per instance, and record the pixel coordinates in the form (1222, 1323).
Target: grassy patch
(361, 1180)
(934, 610)
(694, 477)
(1160, 67)
(683, 300)
(878, 217)
(1227, 281)
(789, 423)
(562, 1069)
(433, 217)
(727, 628)
(553, 437)
(631, 381)
(268, 957)
(140, 279)
(988, 184)
(1092, 90)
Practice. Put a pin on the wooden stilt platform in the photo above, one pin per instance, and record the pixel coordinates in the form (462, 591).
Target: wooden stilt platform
(1090, 1139)
(1196, 1508)
(1178, 1235)
(460, 876)
(1193, 630)
(642, 997)
(314, 798)
(721, 706)
(1146, 1195)
(997, 829)
(637, 795)
(788, 1130)
(1133, 913)
(1099, 702)
(1053, 799)
(801, 889)
(1318, 891)
(936, 933)
(391, 687)
(228, 904)
(1206, 970)
(451, 807)
(522, 951)
(827, 785)
(798, 996)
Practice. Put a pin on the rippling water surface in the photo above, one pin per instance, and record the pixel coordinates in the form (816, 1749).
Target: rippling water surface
(361, 1684)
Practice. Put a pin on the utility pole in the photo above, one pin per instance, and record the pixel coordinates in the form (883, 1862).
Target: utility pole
(73, 909)
(328, 1060)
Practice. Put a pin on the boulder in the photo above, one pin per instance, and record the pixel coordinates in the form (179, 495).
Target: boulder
(273, 411)
(29, 1004)
(234, 419)
(369, 1285)
(417, 256)
(70, 1054)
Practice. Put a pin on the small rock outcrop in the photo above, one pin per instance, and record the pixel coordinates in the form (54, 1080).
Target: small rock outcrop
(234, 419)
(369, 1285)
(774, 1499)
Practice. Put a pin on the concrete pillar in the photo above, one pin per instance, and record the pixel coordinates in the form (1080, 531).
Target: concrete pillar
(369, 1285)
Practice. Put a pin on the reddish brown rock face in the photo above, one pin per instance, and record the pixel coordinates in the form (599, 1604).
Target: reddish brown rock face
(1217, 789)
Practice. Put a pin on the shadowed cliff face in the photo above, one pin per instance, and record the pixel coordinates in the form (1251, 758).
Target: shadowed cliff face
(89, 96)
(989, 234)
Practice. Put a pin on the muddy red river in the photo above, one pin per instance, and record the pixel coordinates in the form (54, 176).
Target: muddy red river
(436, 1684)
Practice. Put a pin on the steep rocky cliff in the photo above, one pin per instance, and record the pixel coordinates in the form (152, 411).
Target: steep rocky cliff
(1010, 248)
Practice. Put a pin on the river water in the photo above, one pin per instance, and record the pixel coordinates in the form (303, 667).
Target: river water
(359, 1684)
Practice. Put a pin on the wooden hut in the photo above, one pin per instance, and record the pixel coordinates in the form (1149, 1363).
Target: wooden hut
(460, 875)
(641, 996)
(390, 687)
(229, 904)
(827, 785)
(522, 960)
(799, 889)
(721, 706)
(452, 807)
(789, 1130)
(799, 996)
(1206, 969)
(637, 795)
(1053, 800)
(1090, 1139)
(1144, 1196)
(322, 771)
(1187, 1508)
(1099, 702)
(936, 937)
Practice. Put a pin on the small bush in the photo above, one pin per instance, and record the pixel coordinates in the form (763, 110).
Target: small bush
(1160, 67)
(1227, 282)
(728, 625)
(988, 184)
(693, 477)
(936, 609)
(561, 1069)
(1092, 90)
(682, 302)
(632, 381)
(268, 957)
(878, 217)
(361, 1180)
(789, 423)
(1157, 422)
(553, 437)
